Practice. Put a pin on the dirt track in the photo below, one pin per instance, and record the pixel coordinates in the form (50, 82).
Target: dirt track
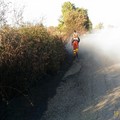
(90, 93)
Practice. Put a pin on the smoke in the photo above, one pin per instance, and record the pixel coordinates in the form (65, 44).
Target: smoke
(105, 41)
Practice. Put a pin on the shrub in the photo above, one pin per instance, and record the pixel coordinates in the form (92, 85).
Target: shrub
(27, 53)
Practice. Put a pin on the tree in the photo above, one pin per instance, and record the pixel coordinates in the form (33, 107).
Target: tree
(18, 16)
(67, 7)
(10, 15)
(4, 8)
(74, 18)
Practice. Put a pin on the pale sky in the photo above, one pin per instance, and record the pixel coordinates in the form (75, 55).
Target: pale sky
(105, 11)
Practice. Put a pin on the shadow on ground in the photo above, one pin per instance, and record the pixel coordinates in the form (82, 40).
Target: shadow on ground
(20, 108)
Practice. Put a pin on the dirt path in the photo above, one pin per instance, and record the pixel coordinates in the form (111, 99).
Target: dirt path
(91, 93)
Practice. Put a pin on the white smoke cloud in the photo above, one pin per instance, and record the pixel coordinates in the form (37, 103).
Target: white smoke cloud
(105, 41)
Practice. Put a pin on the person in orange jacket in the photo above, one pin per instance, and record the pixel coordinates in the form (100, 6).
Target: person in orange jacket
(75, 43)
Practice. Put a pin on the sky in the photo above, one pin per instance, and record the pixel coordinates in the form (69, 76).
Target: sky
(99, 11)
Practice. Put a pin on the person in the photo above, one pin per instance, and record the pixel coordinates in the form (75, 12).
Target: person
(75, 43)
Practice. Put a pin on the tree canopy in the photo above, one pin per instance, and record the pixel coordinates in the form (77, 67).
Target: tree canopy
(74, 18)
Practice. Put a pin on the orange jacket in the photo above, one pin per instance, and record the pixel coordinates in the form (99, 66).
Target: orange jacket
(75, 44)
